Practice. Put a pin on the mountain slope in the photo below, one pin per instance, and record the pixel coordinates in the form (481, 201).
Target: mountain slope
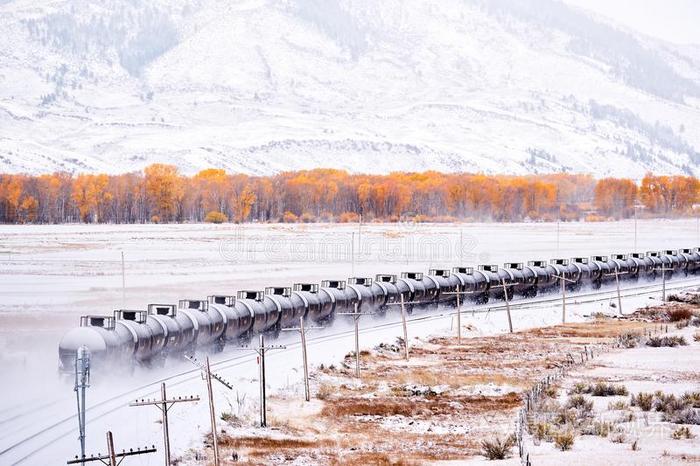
(261, 86)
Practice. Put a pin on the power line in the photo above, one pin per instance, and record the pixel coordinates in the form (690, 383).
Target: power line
(110, 459)
(164, 405)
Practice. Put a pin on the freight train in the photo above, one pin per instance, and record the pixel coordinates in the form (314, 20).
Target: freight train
(149, 336)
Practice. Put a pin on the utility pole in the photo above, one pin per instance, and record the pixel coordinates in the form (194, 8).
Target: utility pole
(164, 404)
(617, 274)
(261, 350)
(405, 327)
(212, 414)
(558, 228)
(663, 281)
(457, 294)
(459, 321)
(507, 300)
(208, 375)
(563, 281)
(302, 330)
(110, 449)
(110, 459)
(635, 228)
(402, 303)
(352, 253)
(359, 236)
(356, 317)
(123, 283)
(82, 382)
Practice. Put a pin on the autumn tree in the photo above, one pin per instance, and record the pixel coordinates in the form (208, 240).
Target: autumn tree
(90, 195)
(615, 197)
(160, 193)
(164, 191)
(211, 187)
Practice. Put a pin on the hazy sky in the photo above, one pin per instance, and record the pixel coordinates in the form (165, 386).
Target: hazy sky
(671, 20)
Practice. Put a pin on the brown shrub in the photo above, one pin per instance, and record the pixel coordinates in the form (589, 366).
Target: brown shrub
(564, 441)
(349, 217)
(678, 314)
(497, 448)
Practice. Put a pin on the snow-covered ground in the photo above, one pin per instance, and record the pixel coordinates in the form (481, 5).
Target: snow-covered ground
(641, 369)
(52, 274)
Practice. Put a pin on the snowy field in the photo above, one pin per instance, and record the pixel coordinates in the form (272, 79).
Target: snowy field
(53, 274)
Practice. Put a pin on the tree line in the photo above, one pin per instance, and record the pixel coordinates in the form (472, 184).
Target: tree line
(160, 193)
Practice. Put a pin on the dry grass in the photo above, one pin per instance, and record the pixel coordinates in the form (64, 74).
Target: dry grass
(437, 376)
(372, 422)
(268, 442)
(373, 459)
(598, 329)
(419, 407)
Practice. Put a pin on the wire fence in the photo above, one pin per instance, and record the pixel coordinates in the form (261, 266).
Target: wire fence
(534, 395)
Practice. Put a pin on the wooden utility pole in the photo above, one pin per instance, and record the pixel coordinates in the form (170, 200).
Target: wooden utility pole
(617, 274)
(457, 294)
(112, 458)
(352, 253)
(563, 300)
(212, 413)
(261, 350)
(619, 297)
(164, 404)
(563, 295)
(663, 281)
(405, 327)
(356, 317)
(459, 321)
(208, 375)
(302, 330)
(123, 283)
(507, 300)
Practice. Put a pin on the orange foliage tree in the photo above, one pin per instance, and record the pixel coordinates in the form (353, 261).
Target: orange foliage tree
(164, 191)
(615, 197)
(667, 194)
(160, 193)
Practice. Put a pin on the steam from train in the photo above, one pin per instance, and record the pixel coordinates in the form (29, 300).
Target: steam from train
(150, 336)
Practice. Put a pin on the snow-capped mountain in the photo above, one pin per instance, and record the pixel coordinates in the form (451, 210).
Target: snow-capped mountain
(262, 86)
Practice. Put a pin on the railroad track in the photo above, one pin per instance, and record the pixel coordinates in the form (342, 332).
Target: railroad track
(23, 449)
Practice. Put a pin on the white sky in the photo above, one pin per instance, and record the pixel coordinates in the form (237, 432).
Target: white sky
(671, 20)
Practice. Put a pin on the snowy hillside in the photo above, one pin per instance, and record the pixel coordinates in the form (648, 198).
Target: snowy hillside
(260, 86)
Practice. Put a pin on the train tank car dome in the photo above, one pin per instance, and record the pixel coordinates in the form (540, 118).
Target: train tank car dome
(384, 290)
(252, 300)
(306, 294)
(337, 298)
(97, 334)
(132, 330)
(164, 315)
(282, 297)
(360, 292)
